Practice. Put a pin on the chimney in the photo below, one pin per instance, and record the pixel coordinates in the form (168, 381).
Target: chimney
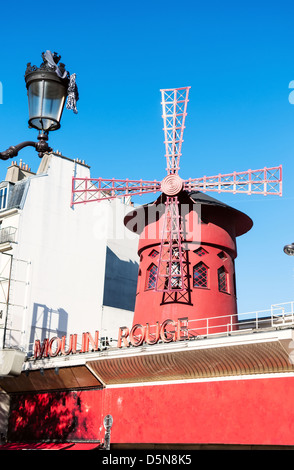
(17, 172)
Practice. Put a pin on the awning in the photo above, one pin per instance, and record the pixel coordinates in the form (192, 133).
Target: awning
(238, 354)
(68, 378)
(50, 446)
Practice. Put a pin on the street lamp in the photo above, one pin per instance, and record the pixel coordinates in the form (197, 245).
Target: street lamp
(289, 249)
(48, 86)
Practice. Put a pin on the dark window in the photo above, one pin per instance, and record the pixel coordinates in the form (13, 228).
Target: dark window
(222, 280)
(200, 275)
(176, 280)
(221, 255)
(200, 251)
(3, 198)
(153, 253)
(151, 276)
(175, 276)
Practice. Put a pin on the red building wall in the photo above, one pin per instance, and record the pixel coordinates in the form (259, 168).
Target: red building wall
(240, 411)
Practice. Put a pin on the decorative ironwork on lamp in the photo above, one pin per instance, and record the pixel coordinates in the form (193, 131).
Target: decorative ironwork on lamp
(48, 86)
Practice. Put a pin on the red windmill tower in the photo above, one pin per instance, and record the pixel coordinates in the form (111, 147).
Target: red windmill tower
(187, 240)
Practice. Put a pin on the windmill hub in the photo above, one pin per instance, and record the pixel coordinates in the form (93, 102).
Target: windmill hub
(171, 185)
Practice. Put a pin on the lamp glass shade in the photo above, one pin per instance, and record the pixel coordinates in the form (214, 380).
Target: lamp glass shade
(46, 99)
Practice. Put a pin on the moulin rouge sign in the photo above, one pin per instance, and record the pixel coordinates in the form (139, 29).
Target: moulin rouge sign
(167, 332)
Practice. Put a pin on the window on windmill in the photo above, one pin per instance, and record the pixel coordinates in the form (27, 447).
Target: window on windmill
(175, 253)
(151, 276)
(200, 251)
(176, 280)
(200, 275)
(222, 279)
(222, 255)
(153, 253)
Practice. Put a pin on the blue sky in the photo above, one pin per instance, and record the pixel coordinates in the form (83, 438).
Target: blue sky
(238, 58)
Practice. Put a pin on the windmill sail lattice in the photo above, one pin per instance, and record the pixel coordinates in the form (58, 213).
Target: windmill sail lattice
(265, 181)
(172, 274)
(174, 107)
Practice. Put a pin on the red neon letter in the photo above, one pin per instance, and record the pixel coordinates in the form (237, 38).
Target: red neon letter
(167, 336)
(182, 328)
(84, 343)
(137, 340)
(122, 335)
(74, 343)
(148, 334)
(57, 350)
(70, 346)
(41, 352)
(88, 339)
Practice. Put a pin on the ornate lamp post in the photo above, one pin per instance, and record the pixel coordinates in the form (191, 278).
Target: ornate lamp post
(48, 86)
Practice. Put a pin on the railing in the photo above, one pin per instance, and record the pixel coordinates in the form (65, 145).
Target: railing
(7, 234)
(282, 313)
(277, 317)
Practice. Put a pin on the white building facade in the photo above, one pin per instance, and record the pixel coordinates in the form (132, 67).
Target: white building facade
(63, 269)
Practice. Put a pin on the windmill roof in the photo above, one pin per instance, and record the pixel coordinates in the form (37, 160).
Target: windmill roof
(204, 198)
(243, 223)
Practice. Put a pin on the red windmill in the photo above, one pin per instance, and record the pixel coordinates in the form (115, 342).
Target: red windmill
(171, 275)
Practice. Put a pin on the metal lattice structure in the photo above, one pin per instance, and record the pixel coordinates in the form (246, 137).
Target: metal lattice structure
(174, 107)
(172, 275)
(266, 181)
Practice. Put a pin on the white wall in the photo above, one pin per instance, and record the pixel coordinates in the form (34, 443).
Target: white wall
(62, 257)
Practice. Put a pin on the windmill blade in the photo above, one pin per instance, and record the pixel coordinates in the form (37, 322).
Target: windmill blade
(267, 181)
(174, 106)
(99, 189)
(170, 271)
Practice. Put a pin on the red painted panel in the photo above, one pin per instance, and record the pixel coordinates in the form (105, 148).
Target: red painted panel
(257, 411)
(253, 411)
(55, 416)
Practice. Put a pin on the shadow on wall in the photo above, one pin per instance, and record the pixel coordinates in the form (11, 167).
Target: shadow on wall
(120, 284)
(48, 322)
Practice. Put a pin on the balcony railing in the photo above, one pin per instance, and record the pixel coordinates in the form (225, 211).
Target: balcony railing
(277, 317)
(7, 234)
